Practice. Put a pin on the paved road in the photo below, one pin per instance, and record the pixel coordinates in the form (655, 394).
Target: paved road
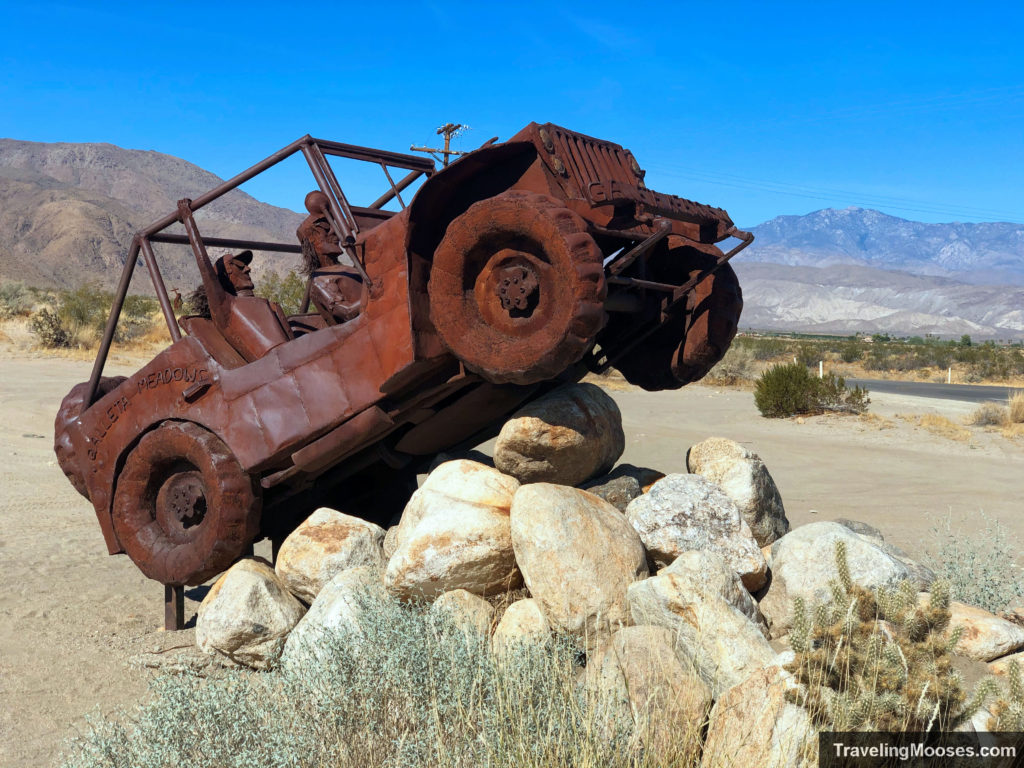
(970, 393)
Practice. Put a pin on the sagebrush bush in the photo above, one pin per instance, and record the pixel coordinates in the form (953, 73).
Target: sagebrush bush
(15, 299)
(858, 673)
(788, 390)
(978, 562)
(408, 689)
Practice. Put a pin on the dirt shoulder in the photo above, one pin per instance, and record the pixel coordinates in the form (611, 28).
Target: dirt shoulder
(76, 622)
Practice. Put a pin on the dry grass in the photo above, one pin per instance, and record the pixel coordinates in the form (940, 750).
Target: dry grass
(938, 425)
(876, 420)
(1015, 408)
(988, 415)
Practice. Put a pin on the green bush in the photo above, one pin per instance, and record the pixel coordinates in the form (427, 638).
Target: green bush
(788, 390)
(851, 351)
(80, 317)
(15, 299)
(288, 291)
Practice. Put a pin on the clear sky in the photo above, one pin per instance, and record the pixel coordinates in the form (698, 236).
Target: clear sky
(764, 108)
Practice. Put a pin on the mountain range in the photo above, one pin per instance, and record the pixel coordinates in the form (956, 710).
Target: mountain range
(68, 211)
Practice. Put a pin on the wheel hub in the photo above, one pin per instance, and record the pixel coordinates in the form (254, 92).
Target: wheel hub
(516, 285)
(182, 500)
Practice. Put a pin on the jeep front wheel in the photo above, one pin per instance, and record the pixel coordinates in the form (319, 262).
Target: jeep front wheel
(184, 509)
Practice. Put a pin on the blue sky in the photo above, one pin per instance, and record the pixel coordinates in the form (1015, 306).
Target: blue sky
(764, 109)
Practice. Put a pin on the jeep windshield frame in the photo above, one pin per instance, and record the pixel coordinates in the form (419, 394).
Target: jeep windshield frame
(343, 217)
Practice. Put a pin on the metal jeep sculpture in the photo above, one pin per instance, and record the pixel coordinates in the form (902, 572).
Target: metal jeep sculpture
(520, 267)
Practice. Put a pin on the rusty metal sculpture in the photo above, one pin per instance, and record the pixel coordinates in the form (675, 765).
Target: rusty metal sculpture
(523, 265)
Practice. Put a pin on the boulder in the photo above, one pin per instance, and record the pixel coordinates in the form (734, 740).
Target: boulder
(803, 564)
(639, 676)
(744, 477)
(578, 555)
(326, 543)
(682, 513)
(715, 620)
(752, 723)
(920, 575)
(468, 612)
(623, 484)
(522, 622)
(335, 615)
(247, 615)
(1001, 667)
(454, 534)
(567, 437)
(984, 636)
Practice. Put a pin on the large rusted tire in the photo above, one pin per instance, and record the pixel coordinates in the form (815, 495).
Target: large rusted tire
(517, 288)
(692, 342)
(71, 408)
(184, 509)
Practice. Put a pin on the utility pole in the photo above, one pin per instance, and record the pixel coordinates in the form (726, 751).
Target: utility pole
(449, 131)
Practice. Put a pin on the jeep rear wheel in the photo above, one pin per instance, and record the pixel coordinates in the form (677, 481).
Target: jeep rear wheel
(517, 288)
(689, 344)
(184, 509)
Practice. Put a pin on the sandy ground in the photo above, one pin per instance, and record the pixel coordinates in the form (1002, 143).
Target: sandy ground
(76, 623)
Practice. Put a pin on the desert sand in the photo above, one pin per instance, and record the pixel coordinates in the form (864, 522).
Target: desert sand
(75, 622)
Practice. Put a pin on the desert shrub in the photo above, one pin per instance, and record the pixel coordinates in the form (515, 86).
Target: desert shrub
(808, 355)
(977, 562)
(80, 316)
(859, 675)
(787, 390)
(988, 415)
(15, 299)
(49, 329)
(408, 690)
(288, 291)
(1015, 408)
(764, 349)
(850, 352)
(735, 368)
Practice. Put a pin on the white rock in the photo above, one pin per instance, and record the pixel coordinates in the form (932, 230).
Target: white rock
(522, 622)
(984, 636)
(578, 554)
(454, 534)
(743, 476)
(804, 562)
(682, 513)
(337, 612)
(567, 437)
(715, 620)
(247, 614)
(753, 724)
(326, 543)
(465, 610)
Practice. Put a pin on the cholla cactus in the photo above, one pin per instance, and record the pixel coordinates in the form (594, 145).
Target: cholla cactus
(1008, 710)
(879, 660)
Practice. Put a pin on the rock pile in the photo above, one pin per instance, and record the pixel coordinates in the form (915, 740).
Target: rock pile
(674, 585)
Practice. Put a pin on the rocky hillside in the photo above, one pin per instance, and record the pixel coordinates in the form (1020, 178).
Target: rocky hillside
(985, 254)
(68, 211)
(850, 299)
